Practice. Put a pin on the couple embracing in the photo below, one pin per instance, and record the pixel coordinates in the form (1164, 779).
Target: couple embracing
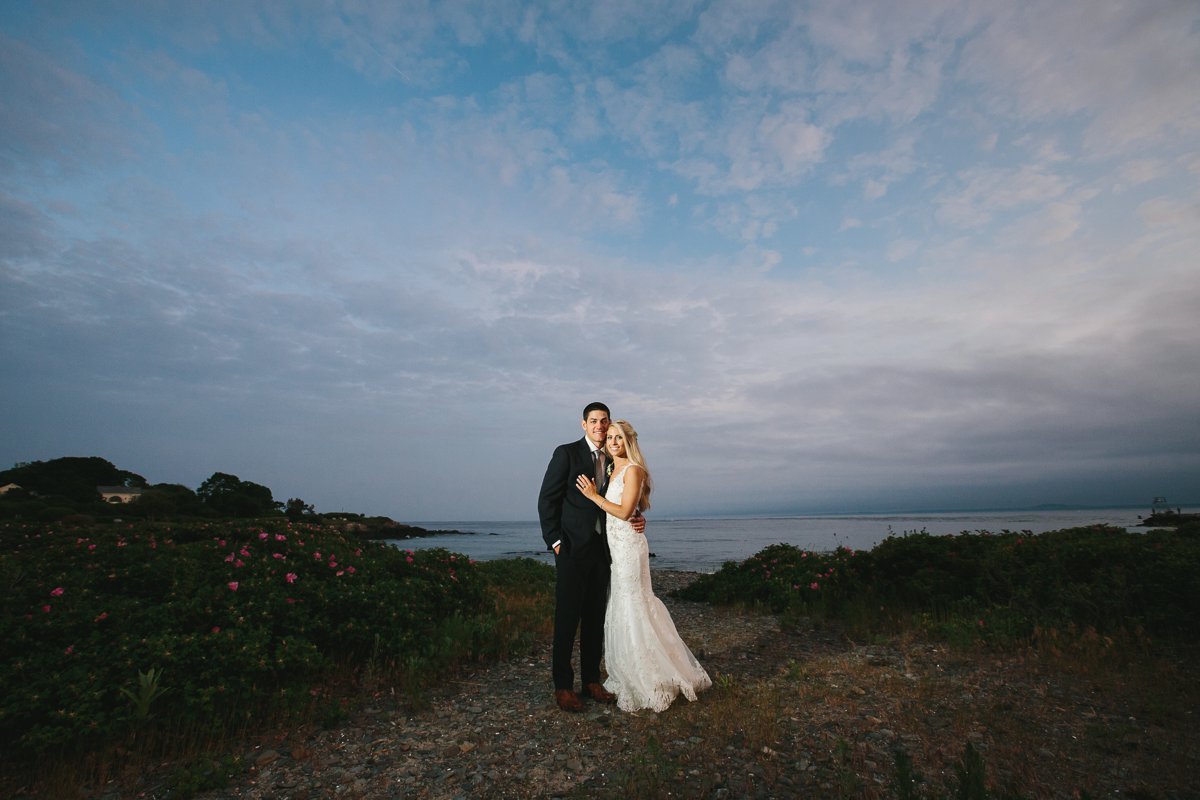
(590, 508)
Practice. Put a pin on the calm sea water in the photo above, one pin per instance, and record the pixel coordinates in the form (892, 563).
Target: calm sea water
(703, 545)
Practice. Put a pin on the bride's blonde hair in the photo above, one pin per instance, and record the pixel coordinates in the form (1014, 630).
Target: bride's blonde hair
(634, 454)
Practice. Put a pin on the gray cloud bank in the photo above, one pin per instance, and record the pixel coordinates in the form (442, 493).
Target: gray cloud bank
(886, 263)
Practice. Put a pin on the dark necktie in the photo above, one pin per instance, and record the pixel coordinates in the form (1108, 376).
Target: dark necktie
(599, 458)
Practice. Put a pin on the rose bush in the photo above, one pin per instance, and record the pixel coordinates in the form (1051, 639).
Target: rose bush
(238, 619)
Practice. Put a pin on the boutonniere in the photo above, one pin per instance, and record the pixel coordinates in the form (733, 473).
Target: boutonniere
(608, 465)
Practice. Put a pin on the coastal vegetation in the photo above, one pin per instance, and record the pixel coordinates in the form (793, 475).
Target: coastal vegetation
(137, 641)
(70, 488)
(71, 491)
(982, 587)
(157, 639)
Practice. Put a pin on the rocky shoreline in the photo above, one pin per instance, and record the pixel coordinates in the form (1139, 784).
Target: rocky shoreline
(382, 528)
(1168, 519)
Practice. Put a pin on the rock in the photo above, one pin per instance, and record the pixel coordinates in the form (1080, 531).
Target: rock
(266, 757)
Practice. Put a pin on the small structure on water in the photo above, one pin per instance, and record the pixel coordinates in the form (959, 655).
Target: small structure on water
(1163, 516)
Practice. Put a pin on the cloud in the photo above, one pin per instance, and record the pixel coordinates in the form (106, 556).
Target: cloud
(1162, 212)
(1127, 68)
(780, 65)
(848, 254)
(902, 249)
(55, 116)
(982, 194)
(1141, 170)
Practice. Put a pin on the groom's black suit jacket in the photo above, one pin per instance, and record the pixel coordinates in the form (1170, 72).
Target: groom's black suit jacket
(564, 512)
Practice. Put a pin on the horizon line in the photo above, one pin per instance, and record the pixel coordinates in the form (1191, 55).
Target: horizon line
(1043, 507)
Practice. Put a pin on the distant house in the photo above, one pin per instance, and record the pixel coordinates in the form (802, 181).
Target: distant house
(119, 494)
(8, 487)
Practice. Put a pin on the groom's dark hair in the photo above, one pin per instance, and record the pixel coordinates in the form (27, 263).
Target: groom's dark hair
(590, 407)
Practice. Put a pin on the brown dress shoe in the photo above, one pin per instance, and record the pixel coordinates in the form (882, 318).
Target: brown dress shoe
(567, 700)
(599, 693)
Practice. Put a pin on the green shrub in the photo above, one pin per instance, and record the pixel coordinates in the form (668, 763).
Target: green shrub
(233, 619)
(973, 586)
(781, 578)
(527, 575)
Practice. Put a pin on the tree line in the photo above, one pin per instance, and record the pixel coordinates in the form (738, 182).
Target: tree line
(65, 487)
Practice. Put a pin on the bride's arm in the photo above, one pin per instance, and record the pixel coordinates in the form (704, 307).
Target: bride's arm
(629, 497)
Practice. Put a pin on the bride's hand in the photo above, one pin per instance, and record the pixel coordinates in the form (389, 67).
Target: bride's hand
(587, 486)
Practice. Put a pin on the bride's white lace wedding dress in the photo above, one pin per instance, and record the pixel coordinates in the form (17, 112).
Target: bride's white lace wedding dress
(648, 664)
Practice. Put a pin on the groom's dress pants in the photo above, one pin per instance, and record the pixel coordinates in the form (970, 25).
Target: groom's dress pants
(581, 595)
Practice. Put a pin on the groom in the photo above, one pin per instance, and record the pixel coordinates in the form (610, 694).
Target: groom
(573, 528)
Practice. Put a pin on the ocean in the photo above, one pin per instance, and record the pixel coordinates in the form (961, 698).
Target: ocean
(703, 545)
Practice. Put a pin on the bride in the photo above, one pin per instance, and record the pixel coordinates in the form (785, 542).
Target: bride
(648, 664)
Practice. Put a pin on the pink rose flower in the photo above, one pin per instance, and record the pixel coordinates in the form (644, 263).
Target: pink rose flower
(233, 585)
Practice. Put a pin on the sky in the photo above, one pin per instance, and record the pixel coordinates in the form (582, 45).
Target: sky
(827, 256)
